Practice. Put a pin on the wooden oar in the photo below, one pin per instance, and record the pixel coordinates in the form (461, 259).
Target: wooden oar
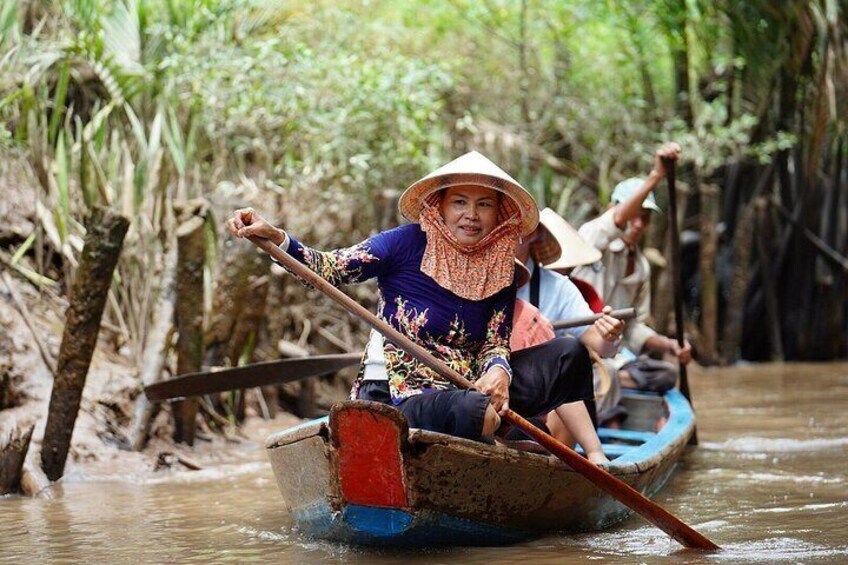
(623, 314)
(623, 492)
(290, 370)
(677, 282)
(249, 376)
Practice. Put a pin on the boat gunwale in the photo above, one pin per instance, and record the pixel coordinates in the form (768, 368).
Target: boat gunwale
(639, 459)
(300, 432)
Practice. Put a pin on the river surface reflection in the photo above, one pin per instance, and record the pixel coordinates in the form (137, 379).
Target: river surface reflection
(768, 483)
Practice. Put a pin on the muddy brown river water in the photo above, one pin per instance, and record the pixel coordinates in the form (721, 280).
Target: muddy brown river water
(768, 483)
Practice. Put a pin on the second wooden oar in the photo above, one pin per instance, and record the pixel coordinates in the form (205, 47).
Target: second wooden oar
(249, 376)
(677, 282)
(622, 492)
(623, 314)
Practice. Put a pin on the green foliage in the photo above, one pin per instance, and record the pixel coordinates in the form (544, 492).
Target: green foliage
(136, 103)
(714, 139)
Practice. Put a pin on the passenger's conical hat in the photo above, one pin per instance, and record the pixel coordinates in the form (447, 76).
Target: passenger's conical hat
(472, 169)
(561, 247)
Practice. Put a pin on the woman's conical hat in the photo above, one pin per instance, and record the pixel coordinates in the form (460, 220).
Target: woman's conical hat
(561, 247)
(472, 169)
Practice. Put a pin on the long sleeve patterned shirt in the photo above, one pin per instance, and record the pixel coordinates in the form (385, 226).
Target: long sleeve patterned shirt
(468, 335)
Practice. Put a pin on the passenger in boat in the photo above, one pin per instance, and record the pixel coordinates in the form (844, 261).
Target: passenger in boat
(552, 247)
(622, 278)
(550, 295)
(447, 282)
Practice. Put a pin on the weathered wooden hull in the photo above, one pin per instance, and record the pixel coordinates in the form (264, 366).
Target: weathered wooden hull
(360, 476)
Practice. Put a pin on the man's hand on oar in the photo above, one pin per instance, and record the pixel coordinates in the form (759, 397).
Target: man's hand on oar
(621, 315)
(609, 327)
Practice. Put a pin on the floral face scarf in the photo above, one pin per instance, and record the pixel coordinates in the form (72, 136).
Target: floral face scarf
(473, 272)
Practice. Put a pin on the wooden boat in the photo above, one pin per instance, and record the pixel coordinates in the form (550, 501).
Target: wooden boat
(362, 476)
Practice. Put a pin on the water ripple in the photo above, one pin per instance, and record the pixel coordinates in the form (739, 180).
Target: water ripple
(777, 445)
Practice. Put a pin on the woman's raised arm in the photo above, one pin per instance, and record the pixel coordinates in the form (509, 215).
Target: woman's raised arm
(347, 265)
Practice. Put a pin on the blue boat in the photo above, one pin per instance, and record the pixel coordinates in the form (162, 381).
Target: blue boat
(361, 476)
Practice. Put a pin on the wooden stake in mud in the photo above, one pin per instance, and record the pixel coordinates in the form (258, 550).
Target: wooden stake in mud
(157, 344)
(103, 242)
(617, 488)
(191, 250)
(13, 450)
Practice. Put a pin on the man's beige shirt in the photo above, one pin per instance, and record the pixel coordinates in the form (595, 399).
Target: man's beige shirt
(608, 277)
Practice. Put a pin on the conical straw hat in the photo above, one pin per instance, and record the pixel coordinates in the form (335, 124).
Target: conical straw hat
(471, 169)
(561, 247)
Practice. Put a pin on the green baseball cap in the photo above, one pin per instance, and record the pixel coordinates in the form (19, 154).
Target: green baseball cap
(625, 190)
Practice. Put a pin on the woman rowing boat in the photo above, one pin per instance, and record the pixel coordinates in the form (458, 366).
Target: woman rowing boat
(446, 281)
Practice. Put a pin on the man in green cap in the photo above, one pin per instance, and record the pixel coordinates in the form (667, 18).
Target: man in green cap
(622, 277)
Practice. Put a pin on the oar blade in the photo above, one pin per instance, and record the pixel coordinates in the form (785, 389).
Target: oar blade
(249, 376)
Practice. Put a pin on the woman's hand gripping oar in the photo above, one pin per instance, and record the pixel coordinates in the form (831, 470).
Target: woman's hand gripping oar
(620, 490)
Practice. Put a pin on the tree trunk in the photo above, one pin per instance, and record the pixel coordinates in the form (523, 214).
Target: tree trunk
(156, 347)
(245, 333)
(13, 452)
(642, 62)
(241, 287)
(232, 285)
(266, 349)
(709, 283)
(7, 394)
(673, 16)
(739, 284)
(301, 394)
(103, 242)
(772, 308)
(34, 482)
(191, 252)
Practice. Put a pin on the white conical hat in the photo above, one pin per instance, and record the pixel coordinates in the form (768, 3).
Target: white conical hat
(471, 169)
(562, 247)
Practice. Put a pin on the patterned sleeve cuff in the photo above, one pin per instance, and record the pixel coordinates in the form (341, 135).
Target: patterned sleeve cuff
(502, 363)
(285, 246)
(286, 242)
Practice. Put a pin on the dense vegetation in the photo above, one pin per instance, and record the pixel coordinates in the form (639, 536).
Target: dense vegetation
(319, 112)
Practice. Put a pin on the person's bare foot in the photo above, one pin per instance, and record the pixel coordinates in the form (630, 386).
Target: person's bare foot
(598, 458)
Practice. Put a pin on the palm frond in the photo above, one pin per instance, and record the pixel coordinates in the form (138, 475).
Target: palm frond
(122, 38)
(9, 27)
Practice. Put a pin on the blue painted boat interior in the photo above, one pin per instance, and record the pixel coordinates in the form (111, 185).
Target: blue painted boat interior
(631, 446)
(680, 417)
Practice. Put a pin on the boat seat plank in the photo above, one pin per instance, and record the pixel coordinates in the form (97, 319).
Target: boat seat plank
(611, 450)
(625, 435)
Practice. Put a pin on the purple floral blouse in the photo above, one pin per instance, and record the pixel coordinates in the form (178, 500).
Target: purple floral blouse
(470, 336)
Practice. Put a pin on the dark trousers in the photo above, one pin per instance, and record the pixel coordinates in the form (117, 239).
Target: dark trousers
(543, 377)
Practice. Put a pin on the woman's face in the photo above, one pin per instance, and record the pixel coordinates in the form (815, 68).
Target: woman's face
(470, 212)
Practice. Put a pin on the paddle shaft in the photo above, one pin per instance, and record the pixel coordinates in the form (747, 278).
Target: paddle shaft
(623, 492)
(623, 314)
(677, 281)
